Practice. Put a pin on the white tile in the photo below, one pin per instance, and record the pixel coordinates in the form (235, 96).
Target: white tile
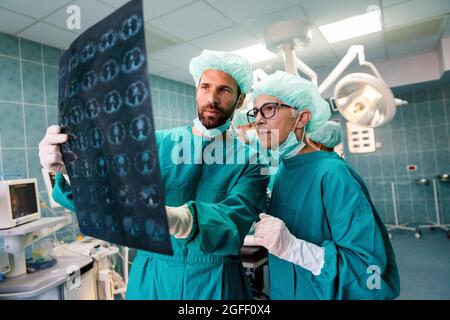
(155, 67)
(11, 22)
(115, 3)
(323, 12)
(229, 39)
(154, 9)
(257, 27)
(33, 8)
(245, 10)
(193, 21)
(49, 35)
(179, 55)
(419, 46)
(92, 11)
(417, 10)
(178, 75)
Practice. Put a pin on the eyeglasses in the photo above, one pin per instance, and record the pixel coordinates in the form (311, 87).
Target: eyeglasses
(267, 110)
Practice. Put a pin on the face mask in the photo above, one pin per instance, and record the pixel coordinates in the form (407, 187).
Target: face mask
(291, 146)
(211, 133)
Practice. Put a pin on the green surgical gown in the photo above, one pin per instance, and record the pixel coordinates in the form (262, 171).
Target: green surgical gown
(224, 199)
(322, 200)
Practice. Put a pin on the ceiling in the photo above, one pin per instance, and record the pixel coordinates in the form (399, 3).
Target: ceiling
(177, 30)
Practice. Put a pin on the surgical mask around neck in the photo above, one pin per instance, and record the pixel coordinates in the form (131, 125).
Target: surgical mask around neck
(291, 146)
(213, 132)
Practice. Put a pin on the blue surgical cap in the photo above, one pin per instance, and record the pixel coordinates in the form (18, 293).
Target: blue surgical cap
(234, 65)
(240, 118)
(296, 92)
(330, 134)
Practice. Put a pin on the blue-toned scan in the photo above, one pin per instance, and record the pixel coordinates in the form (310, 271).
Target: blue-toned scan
(149, 196)
(92, 109)
(97, 138)
(110, 70)
(86, 168)
(73, 88)
(88, 52)
(107, 195)
(112, 101)
(107, 40)
(144, 162)
(73, 63)
(126, 196)
(111, 156)
(136, 94)
(116, 133)
(89, 80)
(112, 223)
(76, 115)
(130, 27)
(82, 142)
(132, 227)
(121, 164)
(102, 166)
(133, 60)
(155, 230)
(140, 128)
(91, 194)
(63, 121)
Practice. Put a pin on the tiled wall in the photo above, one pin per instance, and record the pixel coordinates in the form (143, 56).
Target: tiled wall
(418, 135)
(28, 105)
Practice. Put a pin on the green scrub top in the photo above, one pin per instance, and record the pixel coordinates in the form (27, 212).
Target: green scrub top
(224, 200)
(322, 200)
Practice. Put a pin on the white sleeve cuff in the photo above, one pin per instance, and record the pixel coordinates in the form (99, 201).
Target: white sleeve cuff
(305, 254)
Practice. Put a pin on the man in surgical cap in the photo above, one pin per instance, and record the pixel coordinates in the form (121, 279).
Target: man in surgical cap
(210, 206)
(324, 235)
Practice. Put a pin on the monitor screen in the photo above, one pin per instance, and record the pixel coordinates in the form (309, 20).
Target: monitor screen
(23, 200)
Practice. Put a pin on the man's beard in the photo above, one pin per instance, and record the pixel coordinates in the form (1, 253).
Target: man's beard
(215, 121)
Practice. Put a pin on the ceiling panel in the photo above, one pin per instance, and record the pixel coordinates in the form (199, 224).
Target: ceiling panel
(244, 10)
(115, 3)
(417, 10)
(92, 11)
(179, 55)
(154, 9)
(229, 39)
(193, 21)
(257, 27)
(33, 8)
(11, 22)
(156, 67)
(322, 12)
(178, 75)
(49, 35)
(413, 48)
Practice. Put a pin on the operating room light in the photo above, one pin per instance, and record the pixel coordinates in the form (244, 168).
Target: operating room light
(255, 53)
(352, 27)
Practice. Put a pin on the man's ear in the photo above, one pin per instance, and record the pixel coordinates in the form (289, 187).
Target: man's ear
(305, 117)
(240, 100)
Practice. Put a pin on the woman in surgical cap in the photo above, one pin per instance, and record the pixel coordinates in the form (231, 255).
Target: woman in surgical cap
(324, 235)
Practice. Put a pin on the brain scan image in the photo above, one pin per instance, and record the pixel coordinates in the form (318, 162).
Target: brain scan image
(126, 196)
(133, 60)
(112, 102)
(89, 80)
(144, 162)
(110, 70)
(155, 229)
(136, 94)
(149, 196)
(121, 164)
(140, 128)
(88, 52)
(97, 138)
(107, 40)
(116, 133)
(92, 109)
(130, 27)
(102, 166)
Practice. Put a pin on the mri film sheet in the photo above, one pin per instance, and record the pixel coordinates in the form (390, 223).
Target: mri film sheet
(111, 156)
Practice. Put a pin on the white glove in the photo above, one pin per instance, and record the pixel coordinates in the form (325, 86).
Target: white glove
(49, 149)
(249, 240)
(180, 221)
(273, 234)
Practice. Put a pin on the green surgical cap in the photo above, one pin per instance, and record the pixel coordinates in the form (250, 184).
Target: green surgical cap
(232, 64)
(296, 92)
(240, 118)
(330, 134)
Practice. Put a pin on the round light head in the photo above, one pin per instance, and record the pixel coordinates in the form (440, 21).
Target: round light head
(365, 100)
